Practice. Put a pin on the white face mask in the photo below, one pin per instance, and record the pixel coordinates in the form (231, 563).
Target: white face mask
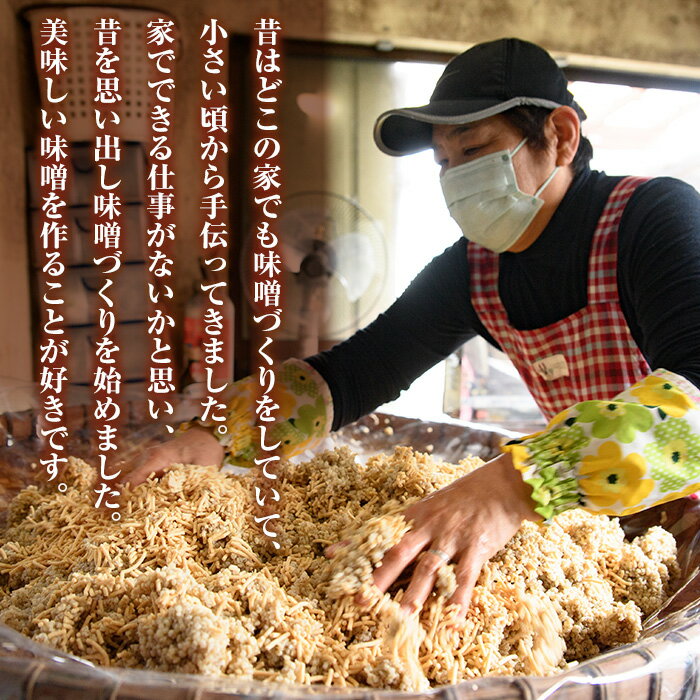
(483, 197)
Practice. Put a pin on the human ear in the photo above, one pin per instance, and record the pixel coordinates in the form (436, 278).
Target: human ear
(565, 129)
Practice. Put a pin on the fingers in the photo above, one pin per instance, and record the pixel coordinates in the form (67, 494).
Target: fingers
(140, 474)
(153, 463)
(424, 576)
(394, 562)
(332, 549)
(196, 446)
(466, 572)
(398, 558)
(423, 580)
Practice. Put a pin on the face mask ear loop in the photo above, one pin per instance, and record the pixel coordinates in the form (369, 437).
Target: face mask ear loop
(518, 147)
(547, 181)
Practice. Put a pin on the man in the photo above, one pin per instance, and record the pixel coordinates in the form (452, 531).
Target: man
(590, 283)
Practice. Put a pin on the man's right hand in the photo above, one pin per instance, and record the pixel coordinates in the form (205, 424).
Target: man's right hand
(195, 446)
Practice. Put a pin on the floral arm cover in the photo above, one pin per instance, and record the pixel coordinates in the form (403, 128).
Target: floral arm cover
(616, 457)
(304, 414)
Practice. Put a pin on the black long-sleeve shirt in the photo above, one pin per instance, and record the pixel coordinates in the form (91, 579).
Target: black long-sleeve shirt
(658, 279)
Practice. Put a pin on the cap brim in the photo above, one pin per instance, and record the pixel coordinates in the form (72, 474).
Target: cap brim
(400, 132)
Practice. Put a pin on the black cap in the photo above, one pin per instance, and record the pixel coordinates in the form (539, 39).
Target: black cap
(487, 79)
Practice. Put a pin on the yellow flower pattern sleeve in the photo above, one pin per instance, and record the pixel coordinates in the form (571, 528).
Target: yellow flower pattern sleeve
(303, 411)
(616, 457)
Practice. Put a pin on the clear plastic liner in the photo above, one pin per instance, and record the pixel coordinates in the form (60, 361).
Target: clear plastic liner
(663, 664)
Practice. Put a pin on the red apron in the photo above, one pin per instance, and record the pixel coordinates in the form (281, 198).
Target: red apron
(588, 355)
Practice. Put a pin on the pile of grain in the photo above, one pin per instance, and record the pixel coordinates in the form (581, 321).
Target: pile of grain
(186, 581)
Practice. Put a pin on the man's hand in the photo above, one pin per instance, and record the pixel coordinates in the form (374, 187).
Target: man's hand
(195, 446)
(468, 522)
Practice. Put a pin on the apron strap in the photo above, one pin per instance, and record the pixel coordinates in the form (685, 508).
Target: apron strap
(602, 268)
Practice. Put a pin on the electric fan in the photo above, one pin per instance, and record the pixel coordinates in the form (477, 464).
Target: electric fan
(334, 267)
